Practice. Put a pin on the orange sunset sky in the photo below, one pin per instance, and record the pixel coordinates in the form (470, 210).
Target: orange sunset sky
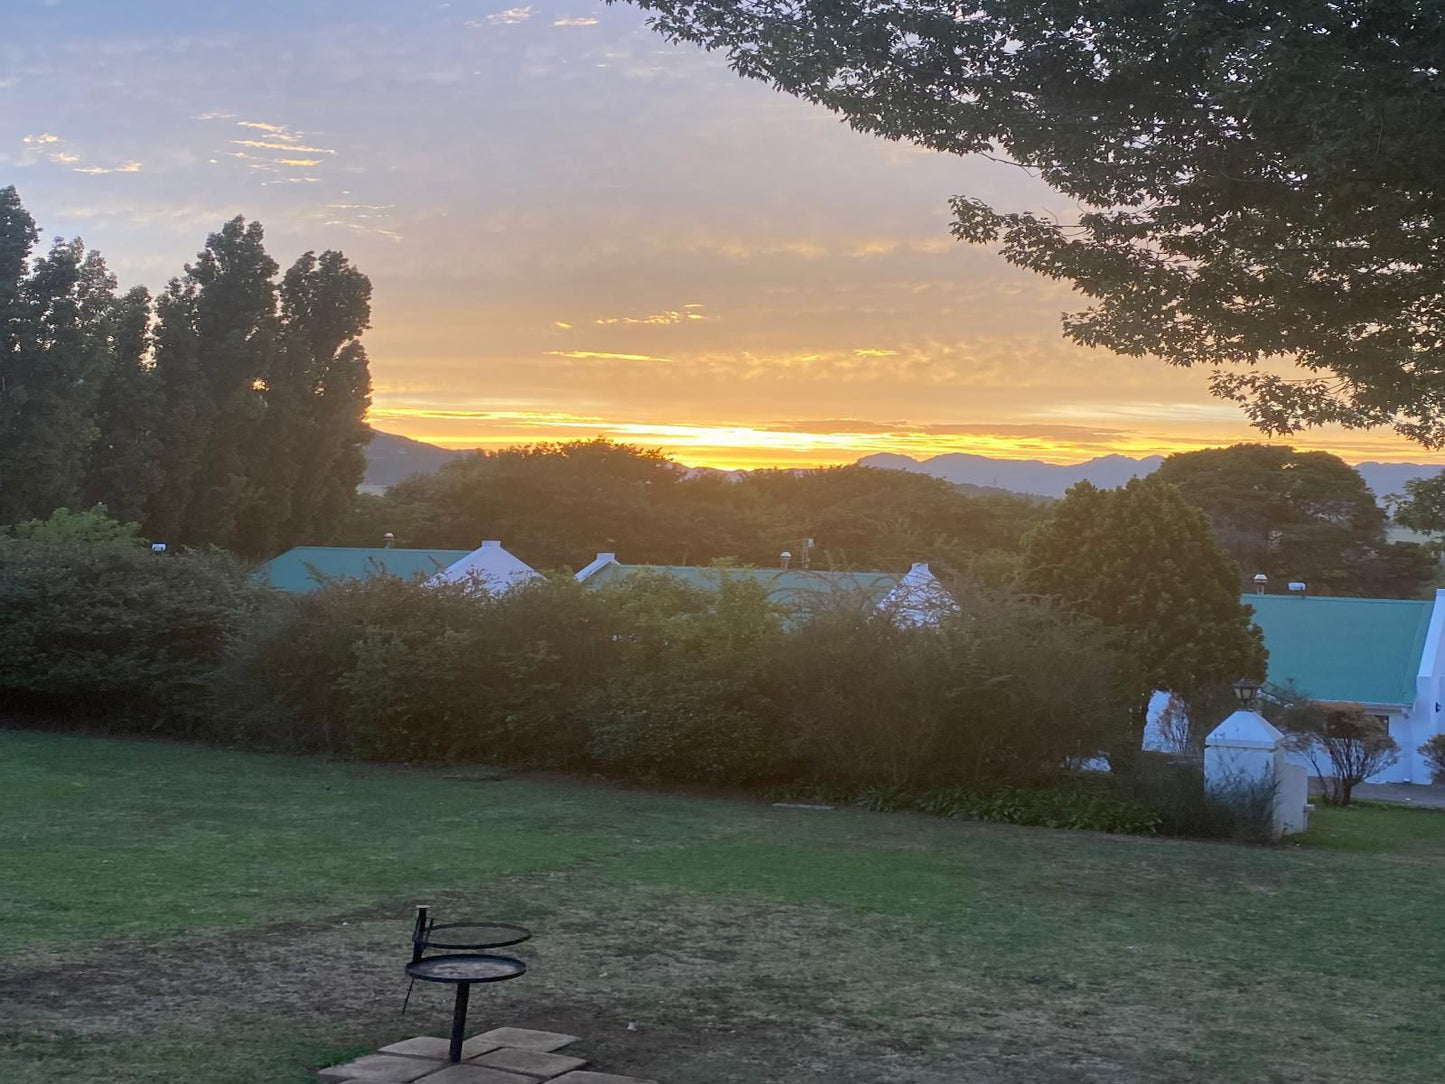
(575, 228)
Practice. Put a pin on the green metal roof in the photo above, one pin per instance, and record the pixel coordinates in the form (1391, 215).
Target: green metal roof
(295, 571)
(793, 589)
(1364, 650)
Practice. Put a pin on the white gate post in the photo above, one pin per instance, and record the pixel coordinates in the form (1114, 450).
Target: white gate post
(1245, 750)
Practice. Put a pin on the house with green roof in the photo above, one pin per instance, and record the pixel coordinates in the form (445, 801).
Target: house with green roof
(1384, 654)
(915, 597)
(308, 568)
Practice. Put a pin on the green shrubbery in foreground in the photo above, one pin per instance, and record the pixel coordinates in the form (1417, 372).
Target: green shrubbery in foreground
(648, 680)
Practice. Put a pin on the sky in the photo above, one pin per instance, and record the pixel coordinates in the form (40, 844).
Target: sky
(575, 228)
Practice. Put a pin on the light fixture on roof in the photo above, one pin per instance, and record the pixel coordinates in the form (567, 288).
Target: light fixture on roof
(783, 559)
(388, 540)
(1245, 691)
(1260, 579)
(1298, 587)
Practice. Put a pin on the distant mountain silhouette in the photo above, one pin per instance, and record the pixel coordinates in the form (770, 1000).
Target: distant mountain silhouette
(391, 459)
(1051, 479)
(1020, 475)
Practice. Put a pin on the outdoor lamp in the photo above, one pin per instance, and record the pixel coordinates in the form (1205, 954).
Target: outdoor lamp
(1245, 691)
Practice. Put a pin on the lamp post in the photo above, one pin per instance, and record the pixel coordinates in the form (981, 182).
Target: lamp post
(1246, 692)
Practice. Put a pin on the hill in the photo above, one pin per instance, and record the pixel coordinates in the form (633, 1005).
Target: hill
(391, 458)
(1052, 479)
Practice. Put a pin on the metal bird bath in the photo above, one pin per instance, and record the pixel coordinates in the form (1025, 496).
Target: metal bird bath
(465, 964)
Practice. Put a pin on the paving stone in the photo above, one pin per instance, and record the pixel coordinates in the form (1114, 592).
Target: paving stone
(532, 1062)
(429, 1046)
(527, 1039)
(381, 1069)
(586, 1077)
(475, 1074)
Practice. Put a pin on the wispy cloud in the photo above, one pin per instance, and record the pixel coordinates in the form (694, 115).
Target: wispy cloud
(268, 145)
(124, 167)
(41, 139)
(298, 161)
(214, 114)
(602, 355)
(672, 316)
(581, 20)
(505, 17)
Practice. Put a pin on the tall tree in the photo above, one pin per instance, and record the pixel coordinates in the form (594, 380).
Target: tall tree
(315, 433)
(216, 346)
(1298, 516)
(1142, 560)
(124, 469)
(1261, 179)
(55, 362)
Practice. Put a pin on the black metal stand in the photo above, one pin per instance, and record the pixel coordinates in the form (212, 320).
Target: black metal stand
(462, 968)
(459, 1019)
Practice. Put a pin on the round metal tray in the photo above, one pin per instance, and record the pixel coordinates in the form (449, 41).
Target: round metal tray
(465, 967)
(472, 935)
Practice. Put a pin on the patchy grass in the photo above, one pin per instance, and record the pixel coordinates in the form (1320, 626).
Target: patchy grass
(170, 913)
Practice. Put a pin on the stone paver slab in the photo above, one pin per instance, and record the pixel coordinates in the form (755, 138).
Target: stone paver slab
(532, 1062)
(429, 1046)
(475, 1074)
(586, 1077)
(527, 1039)
(381, 1069)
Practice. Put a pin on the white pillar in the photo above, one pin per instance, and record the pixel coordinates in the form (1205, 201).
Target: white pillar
(1246, 749)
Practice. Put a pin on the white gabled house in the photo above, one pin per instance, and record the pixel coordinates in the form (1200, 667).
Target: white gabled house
(915, 597)
(489, 567)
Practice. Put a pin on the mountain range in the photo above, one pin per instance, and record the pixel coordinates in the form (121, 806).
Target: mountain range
(1052, 479)
(391, 458)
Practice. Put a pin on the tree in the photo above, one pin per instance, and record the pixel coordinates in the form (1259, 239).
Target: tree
(124, 468)
(56, 356)
(1422, 507)
(1259, 180)
(1298, 516)
(1141, 560)
(1345, 744)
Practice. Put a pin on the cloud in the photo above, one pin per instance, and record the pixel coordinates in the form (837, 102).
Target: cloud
(266, 145)
(602, 355)
(578, 21)
(298, 161)
(42, 138)
(672, 316)
(505, 17)
(870, 352)
(124, 167)
(280, 131)
(214, 114)
(563, 324)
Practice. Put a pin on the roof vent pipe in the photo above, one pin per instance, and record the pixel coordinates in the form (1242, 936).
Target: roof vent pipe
(1260, 579)
(783, 559)
(388, 540)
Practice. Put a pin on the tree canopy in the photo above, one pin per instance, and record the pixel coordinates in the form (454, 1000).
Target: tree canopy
(1297, 515)
(234, 417)
(1141, 560)
(1260, 179)
(556, 505)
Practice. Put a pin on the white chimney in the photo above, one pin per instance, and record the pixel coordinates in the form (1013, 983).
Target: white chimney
(492, 542)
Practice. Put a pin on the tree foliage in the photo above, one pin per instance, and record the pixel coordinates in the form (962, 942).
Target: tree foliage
(1260, 179)
(1345, 744)
(556, 505)
(235, 420)
(1141, 560)
(1298, 516)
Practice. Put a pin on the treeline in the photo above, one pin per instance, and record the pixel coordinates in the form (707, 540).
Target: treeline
(228, 411)
(1290, 514)
(557, 505)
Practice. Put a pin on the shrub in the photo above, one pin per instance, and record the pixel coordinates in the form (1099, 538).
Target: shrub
(1173, 787)
(1434, 753)
(98, 626)
(1009, 689)
(1345, 744)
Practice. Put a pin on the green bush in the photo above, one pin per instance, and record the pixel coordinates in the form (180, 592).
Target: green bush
(1434, 753)
(1093, 805)
(1174, 788)
(97, 626)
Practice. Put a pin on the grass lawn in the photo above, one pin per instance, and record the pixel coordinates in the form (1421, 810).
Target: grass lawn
(180, 914)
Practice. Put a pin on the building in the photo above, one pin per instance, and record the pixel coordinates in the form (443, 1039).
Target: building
(305, 569)
(1385, 654)
(308, 568)
(916, 597)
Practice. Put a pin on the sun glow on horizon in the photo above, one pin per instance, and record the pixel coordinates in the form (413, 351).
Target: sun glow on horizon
(736, 446)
